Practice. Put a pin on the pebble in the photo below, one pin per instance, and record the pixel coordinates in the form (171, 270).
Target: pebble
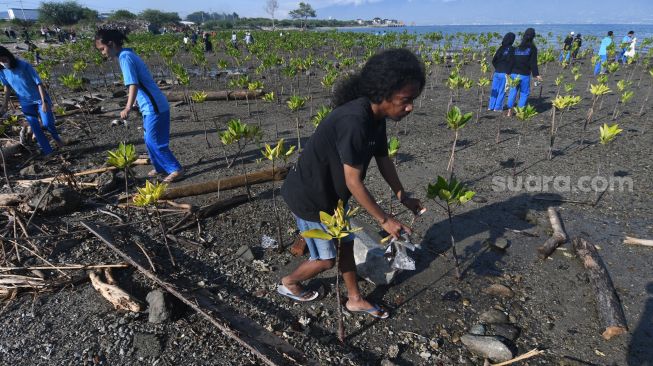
(493, 316)
(487, 346)
(500, 290)
(393, 351)
(478, 329)
(507, 331)
(425, 355)
(159, 308)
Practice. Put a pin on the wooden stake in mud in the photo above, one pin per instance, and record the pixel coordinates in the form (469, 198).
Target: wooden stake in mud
(608, 306)
(172, 290)
(558, 238)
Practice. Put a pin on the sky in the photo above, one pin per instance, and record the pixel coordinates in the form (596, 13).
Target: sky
(419, 12)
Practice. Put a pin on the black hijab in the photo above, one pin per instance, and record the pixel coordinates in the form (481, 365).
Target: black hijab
(527, 39)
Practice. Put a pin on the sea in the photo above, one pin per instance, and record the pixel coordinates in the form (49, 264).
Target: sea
(552, 32)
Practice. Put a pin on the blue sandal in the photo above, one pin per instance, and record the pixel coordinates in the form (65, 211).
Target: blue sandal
(372, 311)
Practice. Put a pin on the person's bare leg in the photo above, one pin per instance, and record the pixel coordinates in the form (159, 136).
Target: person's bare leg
(355, 300)
(303, 272)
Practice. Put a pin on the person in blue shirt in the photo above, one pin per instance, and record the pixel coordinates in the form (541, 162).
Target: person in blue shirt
(603, 53)
(502, 62)
(34, 100)
(625, 44)
(151, 102)
(524, 66)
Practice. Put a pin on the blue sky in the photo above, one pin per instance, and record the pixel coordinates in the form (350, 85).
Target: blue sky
(421, 12)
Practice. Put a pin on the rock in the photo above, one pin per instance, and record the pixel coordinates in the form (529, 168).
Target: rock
(478, 329)
(494, 316)
(500, 290)
(147, 345)
(507, 331)
(58, 200)
(371, 263)
(159, 306)
(393, 351)
(106, 182)
(119, 93)
(500, 243)
(453, 295)
(386, 362)
(488, 347)
(425, 355)
(245, 254)
(30, 170)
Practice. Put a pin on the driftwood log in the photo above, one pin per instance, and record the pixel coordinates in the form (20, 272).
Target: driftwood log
(558, 238)
(120, 299)
(176, 96)
(608, 306)
(278, 356)
(635, 241)
(195, 189)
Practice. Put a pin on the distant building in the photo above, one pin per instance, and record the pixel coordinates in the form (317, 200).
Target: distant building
(23, 14)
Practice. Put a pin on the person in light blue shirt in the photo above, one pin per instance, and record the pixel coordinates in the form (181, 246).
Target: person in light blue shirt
(603, 53)
(151, 102)
(625, 44)
(34, 100)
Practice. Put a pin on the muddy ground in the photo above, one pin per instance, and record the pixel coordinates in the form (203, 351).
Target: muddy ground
(553, 304)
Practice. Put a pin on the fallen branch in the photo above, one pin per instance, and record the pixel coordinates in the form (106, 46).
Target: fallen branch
(558, 238)
(196, 189)
(611, 315)
(177, 96)
(529, 354)
(106, 238)
(120, 299)
(66, 267)
(30, 182)
(635, 241)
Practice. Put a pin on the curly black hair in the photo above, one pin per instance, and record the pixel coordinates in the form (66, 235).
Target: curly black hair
(382, 75)
(111, 35)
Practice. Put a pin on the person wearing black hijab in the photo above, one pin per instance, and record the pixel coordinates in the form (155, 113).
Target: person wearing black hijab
(502, 62)
(524, 66)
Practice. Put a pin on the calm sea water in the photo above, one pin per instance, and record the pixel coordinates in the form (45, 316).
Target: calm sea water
(549, 31)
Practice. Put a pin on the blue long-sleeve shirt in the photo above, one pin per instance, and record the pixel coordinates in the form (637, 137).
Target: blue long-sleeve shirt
(605, 43)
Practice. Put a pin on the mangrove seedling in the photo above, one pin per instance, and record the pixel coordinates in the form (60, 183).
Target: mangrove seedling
(199, 97)
(606, 135)
(274, 154)
(456, 121)
(149, 196)
(560, 103)
(523, 114)
(483, 82)
(648, 94)
(295, 103)
(322, 112)
(626, 96)
(597, 91)
(393, 152)
(453, 194)
(337, 228)
(240, 133)
(122, 158)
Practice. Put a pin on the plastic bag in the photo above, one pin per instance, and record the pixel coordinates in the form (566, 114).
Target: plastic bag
(397, 254)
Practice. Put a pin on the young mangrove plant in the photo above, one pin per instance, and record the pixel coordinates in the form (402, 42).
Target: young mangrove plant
(482, 84)
(523, 114)
(597, 91)
(240, 133)
(560, 103)
(626, 95)
(199, 97)
(393, 152)
(606, 135)
(122, 158)
(321, 114)
(453, 194)
(148, 196)
(337, 228)
(455, 121)
(274, 154)
(295, 103)
(648, 94)
(270, 97)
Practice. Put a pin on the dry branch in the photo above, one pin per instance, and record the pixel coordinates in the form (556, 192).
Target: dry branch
(611, 315)
(115, 295)
(178, 96)
(195, 189)
(559, 236)
(635, 241)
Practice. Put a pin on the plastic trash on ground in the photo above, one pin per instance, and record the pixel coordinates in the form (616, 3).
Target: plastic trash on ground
(268, 242)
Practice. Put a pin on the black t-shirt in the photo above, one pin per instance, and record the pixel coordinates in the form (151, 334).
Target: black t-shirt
(348, 135)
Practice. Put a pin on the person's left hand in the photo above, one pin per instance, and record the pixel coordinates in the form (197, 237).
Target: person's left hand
(124, 114)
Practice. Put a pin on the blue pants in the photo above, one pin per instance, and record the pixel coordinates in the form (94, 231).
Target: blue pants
(498, 92)
(32, 113)
(157, 138)
(524, 90)
(564, 55)
(599, 64)
(621, 56)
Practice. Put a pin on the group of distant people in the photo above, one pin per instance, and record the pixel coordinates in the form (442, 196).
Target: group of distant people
(570, 48)
(623, 52)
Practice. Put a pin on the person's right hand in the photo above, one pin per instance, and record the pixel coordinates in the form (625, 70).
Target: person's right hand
(393, 227)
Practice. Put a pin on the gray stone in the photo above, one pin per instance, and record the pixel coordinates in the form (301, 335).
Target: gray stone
(369, 255)
(507, 331)
(106, 182)
(500, 243)
(493, 316)
(147, 345)
(393, 351)
(386, 362)
(30, 170)
(478, 329)
(500, 290)
(57, 201)
(244, 253)
(159, 308)
(488, 347)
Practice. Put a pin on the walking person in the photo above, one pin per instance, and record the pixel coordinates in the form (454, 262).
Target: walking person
(624, 46)
(524, 66)
(34, 100)
(566, 48)
(502, 61)
(334, 163)
(603, 54)
(151, 102)
(576, 45)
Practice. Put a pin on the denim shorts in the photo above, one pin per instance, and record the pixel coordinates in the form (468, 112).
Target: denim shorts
(319, 248)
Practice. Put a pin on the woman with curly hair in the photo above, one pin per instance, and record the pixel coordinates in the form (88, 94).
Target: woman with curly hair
(333, 165)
